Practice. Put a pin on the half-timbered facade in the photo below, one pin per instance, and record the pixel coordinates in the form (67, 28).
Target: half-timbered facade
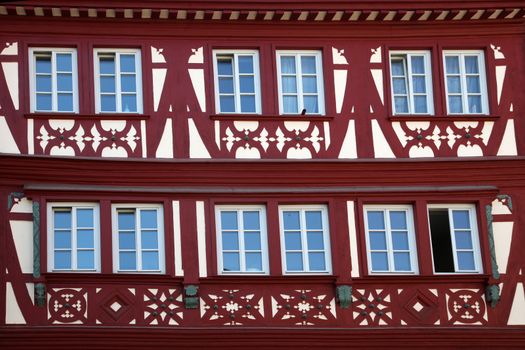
(272, 174)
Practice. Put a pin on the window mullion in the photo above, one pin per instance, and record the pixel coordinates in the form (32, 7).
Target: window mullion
(409, 82)
(304, 243)
(236, 83)
(138, 240)
(242, 252)
(463, 80)
(389, 245)
(54, 83)
(118, 92)
(74, 248)
(299, 81)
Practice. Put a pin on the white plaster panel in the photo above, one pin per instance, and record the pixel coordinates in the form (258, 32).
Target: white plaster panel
(340, 76)
(115, 152)
(497, 52)
(297, 126)
(502, 241)
(338, 57)
(22, 232)
(11, 78)
(108, 125)
(517, 312)
(377, 75)
(508, 142)
(143, 138)
(486, 132)
(352, 232)
(470, 151)
(327, 140)
(159, 77)
(500, 78)
(24, 205)
(420, 152)
(400, 133)
(13, 314)
(246, 125)
(62, 151)
(217, 127)
(498, 208)
(197, 147)
(177, 239)
(165, 148)
(157, 56)
(197, 80)
(7, 144)
(11, 49)
(381, 147)
(247, 153)
(376, 55)
(31, 291)
(349, 146)
(30, 136)
(298, 153)
(197, 55)
(201, 238)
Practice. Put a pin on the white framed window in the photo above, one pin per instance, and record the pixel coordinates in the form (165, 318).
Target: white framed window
(411, 82)
(138, 238)
(390, 241)
(53, 80)
(300, 82)
(455, 238)
(241, 239)
(465, 82)
(237, 82)
(305, 239)
(118, 81)
(73, 237)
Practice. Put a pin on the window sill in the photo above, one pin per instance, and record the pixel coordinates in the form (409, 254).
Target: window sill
(261, 117)
(96, 277)
(448, 117)
(418, 279)
(105, 116)
(265, 279)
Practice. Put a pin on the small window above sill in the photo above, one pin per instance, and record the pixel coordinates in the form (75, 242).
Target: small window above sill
(100, 116)
(444, 118)
(264, 117)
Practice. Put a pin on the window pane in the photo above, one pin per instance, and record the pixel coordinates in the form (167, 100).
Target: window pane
(253, 262)
(294, 261)
(230, 241)
(126, 220)
(291, 220)
(62, 260)
(309, 85)
(150, 240)
(399, 86)
(85, 239)
(62, 219)
(229, 220)
(128, 83)
(287, 65)
(108, 103)
(452, 64)
(290, 104)
(64, 62)
(231, 262)
(418, 64)
(43, 83)
(463, 240)
(43, 64)
(127, 63)
(127, 261)
(316, 262)
(107, 65)
(224, 66)
(401, 104)
(420, 103)
(226, 85)
(129, 103)
(473, 85)
(150, 260)
(474, 104)
(308, 64)
(248, 104)
(251, 220)
(471, 65)
(379, 262)
(292, 241)
(227, 104)
(126, 240)
(466, 261)
(402, 262)
(314, 220)
(455, 104)
(398, 67)
(378, 240)
(43, 102)
(419, 86)
(289, 85)
(453, 85)
(252, 241)
(376, 220)
(245, 64)
(310, 104)
(247, 84)
(85, 218)
(148, 219)
(400, 240)
(64, 82)
(63, 239)
(398, 220)
(315, 240)
(86, 259)
(107, 84)
(65, 102)
(461, 219)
